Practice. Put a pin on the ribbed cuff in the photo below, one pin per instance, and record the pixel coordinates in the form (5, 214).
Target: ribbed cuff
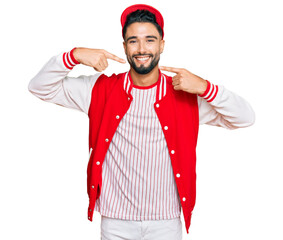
(210, 92)
(69, 59)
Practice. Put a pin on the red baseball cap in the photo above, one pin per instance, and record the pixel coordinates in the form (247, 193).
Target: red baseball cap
(133, 8)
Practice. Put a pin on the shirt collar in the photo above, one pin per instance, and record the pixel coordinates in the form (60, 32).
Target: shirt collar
(160, 90)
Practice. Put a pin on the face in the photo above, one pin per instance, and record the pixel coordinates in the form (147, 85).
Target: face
(143, 46)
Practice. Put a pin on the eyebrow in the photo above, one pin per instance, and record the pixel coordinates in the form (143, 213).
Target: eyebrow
(135, 37)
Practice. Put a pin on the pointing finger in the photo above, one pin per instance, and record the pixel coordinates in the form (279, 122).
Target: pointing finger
(114, 57)
(171, 69)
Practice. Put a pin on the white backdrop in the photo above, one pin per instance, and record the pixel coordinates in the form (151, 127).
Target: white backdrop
(44, 147)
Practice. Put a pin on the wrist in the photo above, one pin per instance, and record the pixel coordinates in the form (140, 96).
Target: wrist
(74, 55)
(203, 87)
(204, 93)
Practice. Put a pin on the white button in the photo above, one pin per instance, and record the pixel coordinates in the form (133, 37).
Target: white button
(184, 199)
(157, 105)
(92, 186)
(88, 217)
(97, 163)
(166, 128)
(172, 151)
(117, 116)
(129, 98)
(178, 175)
(106, 140)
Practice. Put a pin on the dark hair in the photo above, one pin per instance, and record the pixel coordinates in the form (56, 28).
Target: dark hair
(141, 16)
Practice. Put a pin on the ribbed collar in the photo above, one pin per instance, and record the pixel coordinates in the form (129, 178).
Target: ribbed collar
(160, 90)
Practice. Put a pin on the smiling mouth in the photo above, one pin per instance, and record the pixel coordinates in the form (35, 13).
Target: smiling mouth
(142, 59)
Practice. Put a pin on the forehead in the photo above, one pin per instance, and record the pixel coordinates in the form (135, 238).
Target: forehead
(141, 29)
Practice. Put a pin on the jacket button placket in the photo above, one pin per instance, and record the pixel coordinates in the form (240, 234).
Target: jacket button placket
(92, 186)
(178, 174)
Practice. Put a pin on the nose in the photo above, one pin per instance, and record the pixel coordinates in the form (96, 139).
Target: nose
(141, 47)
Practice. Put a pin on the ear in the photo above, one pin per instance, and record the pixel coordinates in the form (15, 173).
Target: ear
(162, 43)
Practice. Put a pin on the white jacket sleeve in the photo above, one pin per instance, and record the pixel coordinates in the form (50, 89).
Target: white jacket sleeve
(223, 108)
(52, 84)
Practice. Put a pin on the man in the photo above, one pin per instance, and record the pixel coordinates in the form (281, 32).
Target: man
(143, 128)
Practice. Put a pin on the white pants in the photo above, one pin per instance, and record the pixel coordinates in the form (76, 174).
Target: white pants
(118, 229)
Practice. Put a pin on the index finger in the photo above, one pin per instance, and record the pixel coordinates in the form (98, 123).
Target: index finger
(114, 57)
(171, 69)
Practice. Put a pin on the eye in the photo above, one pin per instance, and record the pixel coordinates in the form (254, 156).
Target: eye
(150, 40)
(132, 41)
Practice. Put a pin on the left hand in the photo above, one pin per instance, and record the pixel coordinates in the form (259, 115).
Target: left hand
(186, 81)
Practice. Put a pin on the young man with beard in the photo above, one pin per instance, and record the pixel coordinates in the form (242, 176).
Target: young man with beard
(143, 128)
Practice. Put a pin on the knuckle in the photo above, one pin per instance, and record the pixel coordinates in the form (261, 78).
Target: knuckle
(96, 62)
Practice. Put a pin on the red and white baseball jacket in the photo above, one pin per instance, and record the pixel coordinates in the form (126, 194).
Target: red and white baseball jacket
(106, 101)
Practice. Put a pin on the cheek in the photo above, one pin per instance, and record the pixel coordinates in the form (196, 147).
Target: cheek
(156, 49)
(130, 50)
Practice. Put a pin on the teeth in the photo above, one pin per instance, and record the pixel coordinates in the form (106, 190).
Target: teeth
(142, 58)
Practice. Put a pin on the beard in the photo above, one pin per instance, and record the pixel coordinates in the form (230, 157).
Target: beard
(142, 69)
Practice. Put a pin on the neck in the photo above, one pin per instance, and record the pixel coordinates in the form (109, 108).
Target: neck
(145, 79)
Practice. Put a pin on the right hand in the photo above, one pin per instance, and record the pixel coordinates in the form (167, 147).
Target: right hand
(96, 58)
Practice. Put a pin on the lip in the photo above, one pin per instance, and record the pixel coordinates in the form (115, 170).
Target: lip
(142, 59)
